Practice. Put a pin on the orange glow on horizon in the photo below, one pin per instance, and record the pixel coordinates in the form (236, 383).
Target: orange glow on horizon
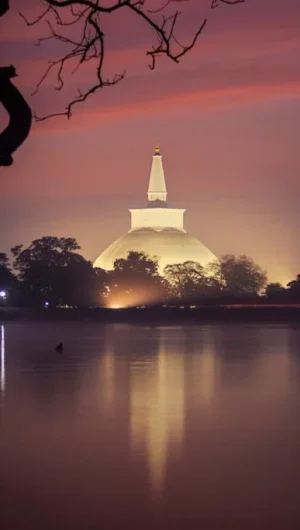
(135, 298)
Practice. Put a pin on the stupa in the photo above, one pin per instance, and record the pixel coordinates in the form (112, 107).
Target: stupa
(157, 229)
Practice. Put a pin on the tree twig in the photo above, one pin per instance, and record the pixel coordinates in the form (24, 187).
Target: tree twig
(85, 15)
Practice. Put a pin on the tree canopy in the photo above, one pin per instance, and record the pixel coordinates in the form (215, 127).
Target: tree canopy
(187, 280)
(8, 281)
(294, 288)
(52, 270)
(7, 278)
(135, 280)
(239, 275)
(275, 291)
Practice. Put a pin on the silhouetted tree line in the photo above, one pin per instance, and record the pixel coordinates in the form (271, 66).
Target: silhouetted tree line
(51, 272)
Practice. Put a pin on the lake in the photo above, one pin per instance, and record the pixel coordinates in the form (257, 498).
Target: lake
(138, 427)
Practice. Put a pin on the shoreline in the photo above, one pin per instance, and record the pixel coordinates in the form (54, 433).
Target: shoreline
(159, 315)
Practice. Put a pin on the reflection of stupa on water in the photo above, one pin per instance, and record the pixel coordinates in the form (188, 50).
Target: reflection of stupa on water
(157, 412)
(157, 230)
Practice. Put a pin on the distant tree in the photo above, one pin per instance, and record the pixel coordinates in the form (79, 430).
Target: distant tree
(275, 292)
(295, 283)
(187, 280)
(78, 283)
(135, 280)
(293, 289)
(137, 263)
(51, 270)
(101, 282)
(238, 275)
(8, 281)
(7, 278)
(4, 261)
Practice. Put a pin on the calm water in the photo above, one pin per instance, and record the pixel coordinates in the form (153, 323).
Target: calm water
(150, 427)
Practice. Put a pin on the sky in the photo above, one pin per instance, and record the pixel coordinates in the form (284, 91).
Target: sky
(226, 118)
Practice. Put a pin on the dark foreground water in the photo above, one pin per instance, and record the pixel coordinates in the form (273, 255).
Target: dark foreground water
(149, 427)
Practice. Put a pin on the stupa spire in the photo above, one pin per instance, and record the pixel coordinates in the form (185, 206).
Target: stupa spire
(157, 191)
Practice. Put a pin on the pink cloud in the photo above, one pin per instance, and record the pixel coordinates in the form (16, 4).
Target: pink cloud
(212, 100)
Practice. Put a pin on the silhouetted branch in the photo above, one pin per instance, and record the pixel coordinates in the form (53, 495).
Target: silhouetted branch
(20, 116)
(19, 113)
(4, 7)
(215, 3)
(89, 45)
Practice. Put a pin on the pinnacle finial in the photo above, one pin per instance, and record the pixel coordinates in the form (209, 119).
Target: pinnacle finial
(157, 150)
(157, 185)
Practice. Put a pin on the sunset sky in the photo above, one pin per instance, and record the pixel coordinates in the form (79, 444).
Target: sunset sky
(227, 119)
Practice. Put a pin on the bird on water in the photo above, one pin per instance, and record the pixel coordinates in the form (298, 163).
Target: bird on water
(59, 348)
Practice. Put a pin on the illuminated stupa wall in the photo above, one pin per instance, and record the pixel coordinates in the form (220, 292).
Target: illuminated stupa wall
(157, 230)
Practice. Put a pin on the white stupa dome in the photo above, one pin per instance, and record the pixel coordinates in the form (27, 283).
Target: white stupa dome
(168, 245)
(157, 230)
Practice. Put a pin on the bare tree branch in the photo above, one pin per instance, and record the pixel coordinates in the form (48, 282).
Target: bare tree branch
(85, 15)
(215, 3)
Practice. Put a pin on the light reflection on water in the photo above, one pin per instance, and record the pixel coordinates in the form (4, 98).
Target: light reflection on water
(150, 427)
(107, 377)
(157, 410)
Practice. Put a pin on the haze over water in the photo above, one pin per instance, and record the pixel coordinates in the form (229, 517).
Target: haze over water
(150, 427)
